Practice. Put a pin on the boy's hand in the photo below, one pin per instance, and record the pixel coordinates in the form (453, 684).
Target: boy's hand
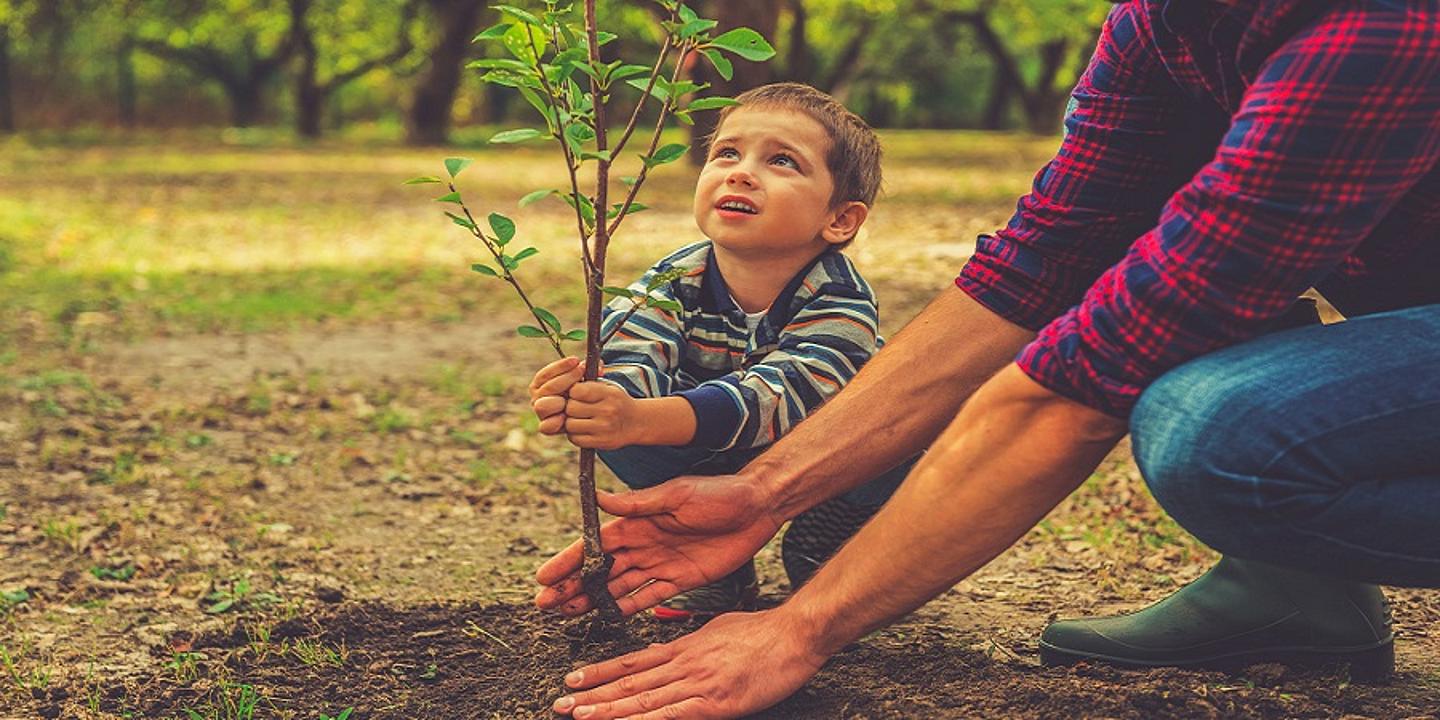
(602, 416)
(548, 389)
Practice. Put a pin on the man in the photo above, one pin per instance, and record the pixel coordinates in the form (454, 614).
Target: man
(1220, 159)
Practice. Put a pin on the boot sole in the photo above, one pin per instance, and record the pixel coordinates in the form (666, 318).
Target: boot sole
(1372, 665)
(749, 602)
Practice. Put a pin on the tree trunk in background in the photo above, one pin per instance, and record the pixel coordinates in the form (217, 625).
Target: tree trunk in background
(7, 111)
(309, 99)
(763, 16)
(429, 121)
(125, 81)
(997, 105)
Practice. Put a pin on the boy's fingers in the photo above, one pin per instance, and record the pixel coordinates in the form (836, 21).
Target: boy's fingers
(551, 371)
(592, 391)
(553, 425)
(548, 405)
(561, 384)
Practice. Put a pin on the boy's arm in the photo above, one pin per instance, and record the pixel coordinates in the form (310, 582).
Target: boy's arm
(643, 357)
(818, 352)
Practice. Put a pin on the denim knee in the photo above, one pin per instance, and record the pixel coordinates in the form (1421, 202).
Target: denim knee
(1184, 434)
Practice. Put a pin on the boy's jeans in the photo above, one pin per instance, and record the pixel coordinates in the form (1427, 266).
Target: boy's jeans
(643, 466)
(1316, 448)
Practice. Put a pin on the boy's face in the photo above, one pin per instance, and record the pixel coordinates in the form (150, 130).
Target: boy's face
(765, 188)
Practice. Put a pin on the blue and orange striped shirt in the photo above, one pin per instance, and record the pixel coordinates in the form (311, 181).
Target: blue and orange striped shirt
(747, 388)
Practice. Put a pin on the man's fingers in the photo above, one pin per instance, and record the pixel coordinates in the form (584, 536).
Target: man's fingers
(650, 501)
(565, 563)
(647, 596)
(646, 691)
(593, 676)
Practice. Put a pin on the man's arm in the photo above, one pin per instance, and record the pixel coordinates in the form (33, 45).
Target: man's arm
(1014, 452)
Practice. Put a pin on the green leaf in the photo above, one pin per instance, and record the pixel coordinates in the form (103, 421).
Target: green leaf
(670, 305)
(515, 136)
(634, 208)
(462, 222)
(537, 196)
(221, 606)
(453, 197)
(629, 180)
(687, 14)
(617, 291)
(484, 269)
(530, 331)
(15, 597)
(604, 38)
(664, 278)
(602, 155)
(527, 252)
(423, 180)
(658, 91)
(695, 27)
(538, 103)
(722, 64)
(499, 64)
(548, 318)
(587, 207)
(580, 132)
(711, 103)
(521, 15)
(574, 335)
(503, 227)
(456, 165)
(684, 117)
(668, 154)
(524, 41)
(509, 263)
(745, 43)
(494, 32)
(628, 71)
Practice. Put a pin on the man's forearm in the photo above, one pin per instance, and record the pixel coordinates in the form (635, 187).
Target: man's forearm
(894, 407)
(1013, 453)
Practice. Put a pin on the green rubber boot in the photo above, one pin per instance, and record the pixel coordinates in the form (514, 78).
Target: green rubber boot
(1241, 612)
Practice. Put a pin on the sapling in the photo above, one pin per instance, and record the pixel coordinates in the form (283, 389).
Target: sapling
(557, 65)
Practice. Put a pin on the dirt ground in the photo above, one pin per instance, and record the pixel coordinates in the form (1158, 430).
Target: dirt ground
(352, 523)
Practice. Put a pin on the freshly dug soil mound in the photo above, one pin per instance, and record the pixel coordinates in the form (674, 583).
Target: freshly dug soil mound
(506, 661)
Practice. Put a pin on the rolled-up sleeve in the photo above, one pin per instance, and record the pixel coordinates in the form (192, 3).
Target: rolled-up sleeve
(1339, 123)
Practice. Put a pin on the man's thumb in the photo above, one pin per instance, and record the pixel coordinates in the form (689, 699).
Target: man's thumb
(650, 501)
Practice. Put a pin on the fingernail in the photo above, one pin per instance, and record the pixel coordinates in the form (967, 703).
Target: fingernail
(575, 678)
(564, 703)
(583, 711)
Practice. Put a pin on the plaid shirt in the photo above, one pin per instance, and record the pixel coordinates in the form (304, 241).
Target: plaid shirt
(747, 388)
(1219, 161)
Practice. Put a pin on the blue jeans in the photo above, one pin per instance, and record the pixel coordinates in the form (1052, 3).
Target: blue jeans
(643, 466)
(1316, 448)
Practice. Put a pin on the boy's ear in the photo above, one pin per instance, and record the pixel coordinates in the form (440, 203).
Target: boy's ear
(845, 222)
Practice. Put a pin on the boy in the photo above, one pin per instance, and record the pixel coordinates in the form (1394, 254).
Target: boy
(773, 321)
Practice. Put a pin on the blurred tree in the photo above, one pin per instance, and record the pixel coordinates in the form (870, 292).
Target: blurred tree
(457, 21)
(763, 16)
(241, 44)
(348, 33)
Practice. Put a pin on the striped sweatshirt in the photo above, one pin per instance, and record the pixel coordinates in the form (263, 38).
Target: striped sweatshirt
(747, 388)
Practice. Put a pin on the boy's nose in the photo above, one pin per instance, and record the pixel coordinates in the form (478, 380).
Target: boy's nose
(740, 177)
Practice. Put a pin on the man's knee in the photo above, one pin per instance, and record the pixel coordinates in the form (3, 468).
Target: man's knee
(1186, 434)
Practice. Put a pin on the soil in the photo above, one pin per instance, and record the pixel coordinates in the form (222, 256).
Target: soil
(505, 661)
(377, 523)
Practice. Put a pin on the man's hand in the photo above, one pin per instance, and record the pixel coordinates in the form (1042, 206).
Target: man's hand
(668, 539)
(707, 674)
(548, 389)
(603, 416)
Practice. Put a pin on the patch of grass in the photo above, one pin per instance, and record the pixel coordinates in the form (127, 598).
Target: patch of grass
(118, 574)
(184, 667)
(228, 701)
(35, 677)
(393, 420)
(239, 595)
(65, 533)
(314, 652)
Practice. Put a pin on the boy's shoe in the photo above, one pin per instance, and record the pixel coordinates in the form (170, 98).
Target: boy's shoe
(1241, 612)
(817, 534)
(739, 590)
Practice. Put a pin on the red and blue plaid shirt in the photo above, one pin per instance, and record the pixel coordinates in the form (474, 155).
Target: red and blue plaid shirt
(1219, 160)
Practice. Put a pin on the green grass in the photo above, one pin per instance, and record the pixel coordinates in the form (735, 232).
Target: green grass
(205, 232)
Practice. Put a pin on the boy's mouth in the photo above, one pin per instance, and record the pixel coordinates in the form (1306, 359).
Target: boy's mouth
(736, 204)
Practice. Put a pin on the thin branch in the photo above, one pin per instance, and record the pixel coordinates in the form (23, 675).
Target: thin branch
(638, 304)
(571, 165)
(654, 142)
(509, 276)
(645, 95)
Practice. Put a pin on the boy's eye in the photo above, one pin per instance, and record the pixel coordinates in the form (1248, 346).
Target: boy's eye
(726, 153)
(784, 160)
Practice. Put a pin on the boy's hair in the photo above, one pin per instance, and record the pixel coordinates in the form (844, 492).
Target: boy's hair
(854, 154)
